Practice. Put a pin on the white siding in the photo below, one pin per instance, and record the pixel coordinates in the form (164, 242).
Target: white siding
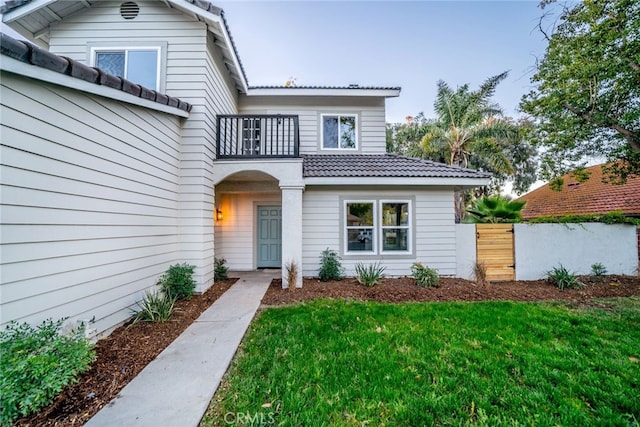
(195, 73)
(89, 203)
(236, 233)
(370, 112)
(434, 228)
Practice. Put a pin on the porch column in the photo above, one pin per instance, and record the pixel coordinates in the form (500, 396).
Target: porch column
(291, 232)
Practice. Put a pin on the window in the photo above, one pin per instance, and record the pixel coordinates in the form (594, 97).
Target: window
(339, 132)
(377, 227)
(360, 231)
(251, 136)
(395, 226)
(141, 65)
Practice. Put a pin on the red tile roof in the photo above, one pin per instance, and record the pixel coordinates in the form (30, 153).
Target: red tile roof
(582, 198)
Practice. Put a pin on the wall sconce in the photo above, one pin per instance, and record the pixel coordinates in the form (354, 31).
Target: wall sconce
(219, 215)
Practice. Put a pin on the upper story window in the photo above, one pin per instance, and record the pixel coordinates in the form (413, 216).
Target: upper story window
(141, 65)
(339, 132)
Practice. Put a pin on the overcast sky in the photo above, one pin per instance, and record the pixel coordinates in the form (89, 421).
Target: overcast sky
(390, 43)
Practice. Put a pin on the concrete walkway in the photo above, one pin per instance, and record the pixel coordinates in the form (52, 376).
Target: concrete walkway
(176, 387)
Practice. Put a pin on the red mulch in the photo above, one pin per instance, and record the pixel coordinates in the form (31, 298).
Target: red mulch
(120, 357)
(452, 289)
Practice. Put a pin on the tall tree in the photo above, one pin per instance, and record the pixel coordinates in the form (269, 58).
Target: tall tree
(586, 100)
(470, 131)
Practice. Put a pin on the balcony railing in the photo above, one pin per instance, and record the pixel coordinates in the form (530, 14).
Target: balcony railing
(257, 136)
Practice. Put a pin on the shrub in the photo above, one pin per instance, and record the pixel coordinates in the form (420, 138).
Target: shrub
(424, 276)
(480, 273)
(330, 266)
(220, 269)
(154, 307)
(370, 274)
(36, 363)
(292, 274)
(177, 282)
(563, 279)
(598, 270)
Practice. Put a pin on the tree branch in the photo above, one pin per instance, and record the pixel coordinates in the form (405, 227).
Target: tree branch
(630, 136)
(635, 67)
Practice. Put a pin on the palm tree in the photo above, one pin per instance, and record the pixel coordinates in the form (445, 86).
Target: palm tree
(469, 130)
(496, 208)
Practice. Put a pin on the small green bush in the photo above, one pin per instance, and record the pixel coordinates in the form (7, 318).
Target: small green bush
(36, 363)
(563, 279)
(177, 282)
(154, 307)
(598, 270)
(369, 275)
(220, 269)
(424, 276)
(330, 266)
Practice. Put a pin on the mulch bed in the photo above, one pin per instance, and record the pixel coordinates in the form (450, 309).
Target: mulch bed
(128, 349)
(120, 357)
(451, 289)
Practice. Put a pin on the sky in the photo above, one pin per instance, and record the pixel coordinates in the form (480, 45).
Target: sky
(390, 43)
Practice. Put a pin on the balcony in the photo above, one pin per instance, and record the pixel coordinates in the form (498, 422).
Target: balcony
(257, 136)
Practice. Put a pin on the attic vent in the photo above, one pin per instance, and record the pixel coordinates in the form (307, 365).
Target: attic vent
(129, 10)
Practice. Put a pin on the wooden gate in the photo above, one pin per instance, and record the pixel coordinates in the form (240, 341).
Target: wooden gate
(494, 249)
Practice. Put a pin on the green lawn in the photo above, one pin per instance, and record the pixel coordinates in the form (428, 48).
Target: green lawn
(491, 363)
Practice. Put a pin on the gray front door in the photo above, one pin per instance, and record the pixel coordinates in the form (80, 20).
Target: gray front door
(269, 236)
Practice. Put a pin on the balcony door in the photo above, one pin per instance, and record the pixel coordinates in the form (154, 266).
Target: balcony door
(269, 237)
(251, 136)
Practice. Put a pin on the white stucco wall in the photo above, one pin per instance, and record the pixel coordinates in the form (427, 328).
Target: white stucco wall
(465, 250)
(541, 247)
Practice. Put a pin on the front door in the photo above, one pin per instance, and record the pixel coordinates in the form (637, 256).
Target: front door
(269, 236)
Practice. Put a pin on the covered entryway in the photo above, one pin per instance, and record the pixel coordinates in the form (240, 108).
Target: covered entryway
(494, 249)
(269, 242)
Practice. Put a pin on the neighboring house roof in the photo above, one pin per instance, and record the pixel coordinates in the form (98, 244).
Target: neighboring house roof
(380, 165)
(37, 15)
(582, 198)
(30, 54)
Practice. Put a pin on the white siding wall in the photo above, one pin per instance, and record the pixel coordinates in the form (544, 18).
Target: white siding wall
(370, 112)
(235, 234)
(434, 229)
(196, 74)
(89, 203)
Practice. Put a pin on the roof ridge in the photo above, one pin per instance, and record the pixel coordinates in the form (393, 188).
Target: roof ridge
(433, 162)
(36, 56)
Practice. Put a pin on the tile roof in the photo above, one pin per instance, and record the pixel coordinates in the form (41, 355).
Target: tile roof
(34, 55)
(9, 5)
(205, 5)
(380, 165)
(580, 198)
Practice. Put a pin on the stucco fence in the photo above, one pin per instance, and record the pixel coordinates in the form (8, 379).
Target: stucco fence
(539, 248)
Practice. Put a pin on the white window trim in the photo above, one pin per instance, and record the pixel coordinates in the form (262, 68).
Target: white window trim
(377, 228)
(161, 58)
(338, 148)
(409, 227)
(346, 228)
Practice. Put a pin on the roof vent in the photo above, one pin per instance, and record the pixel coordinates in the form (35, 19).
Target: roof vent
(129, 10)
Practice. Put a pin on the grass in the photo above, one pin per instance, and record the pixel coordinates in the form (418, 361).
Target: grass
(338, 363)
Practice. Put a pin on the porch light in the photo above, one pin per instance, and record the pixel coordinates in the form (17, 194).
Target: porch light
(219, 215)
